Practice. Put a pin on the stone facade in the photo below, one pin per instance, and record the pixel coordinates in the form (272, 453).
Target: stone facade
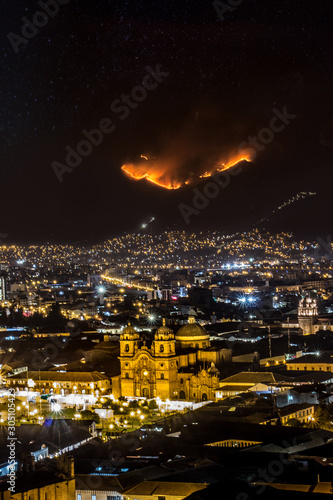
(184, 366)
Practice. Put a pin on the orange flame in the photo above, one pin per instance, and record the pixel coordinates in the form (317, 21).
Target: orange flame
(153, 171)
(164, 173)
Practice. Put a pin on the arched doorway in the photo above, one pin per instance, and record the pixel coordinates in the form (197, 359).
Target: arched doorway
(145, 392)
(204, 397)
(181, 394)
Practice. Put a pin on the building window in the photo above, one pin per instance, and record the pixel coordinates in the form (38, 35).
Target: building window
(79, 496)
(181, 380)
(126, 348)
(126, 375)
(93, 497)
(161, 348)
(162, 376)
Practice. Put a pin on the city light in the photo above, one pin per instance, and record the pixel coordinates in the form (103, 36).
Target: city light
(189, 354)
(152, 318)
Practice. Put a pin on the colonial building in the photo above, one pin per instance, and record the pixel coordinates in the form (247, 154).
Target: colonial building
(312, 362)
(64, 383)
(308, 319)
(184, 366)
(307, 315)
(42, 482)
(259, 382)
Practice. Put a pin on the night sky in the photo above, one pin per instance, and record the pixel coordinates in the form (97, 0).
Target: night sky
(223, 77)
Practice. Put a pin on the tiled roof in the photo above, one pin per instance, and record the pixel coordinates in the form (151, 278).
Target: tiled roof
(165, 488)
(288, 410)
(104, 483)
(312, 377)
(61, 376)
(251, 378)
(312, 358)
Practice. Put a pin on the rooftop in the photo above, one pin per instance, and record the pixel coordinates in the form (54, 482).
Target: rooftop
(248, 378)
(61, 376)
(164, 488)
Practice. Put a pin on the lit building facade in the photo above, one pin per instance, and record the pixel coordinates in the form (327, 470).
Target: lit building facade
(181, 367)
(307, 315)
(62, 383)
(2, 287)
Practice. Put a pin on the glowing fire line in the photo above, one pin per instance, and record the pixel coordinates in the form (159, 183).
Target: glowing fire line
(158, 173)
(148, 177)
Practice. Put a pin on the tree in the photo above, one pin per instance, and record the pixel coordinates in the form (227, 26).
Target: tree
(68, 413)
(152, 405)
(36, 320)
(90, 415)
(55, 318)
(294, 422)
(323, 416)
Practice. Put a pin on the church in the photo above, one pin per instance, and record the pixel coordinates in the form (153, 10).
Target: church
(184, 366)
(307, 315)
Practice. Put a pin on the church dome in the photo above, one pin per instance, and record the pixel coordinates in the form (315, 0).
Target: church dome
(164, 332)
(192, 331)
(129, 329)
(164, 329)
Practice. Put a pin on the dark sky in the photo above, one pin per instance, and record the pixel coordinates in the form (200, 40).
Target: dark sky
(224, 79)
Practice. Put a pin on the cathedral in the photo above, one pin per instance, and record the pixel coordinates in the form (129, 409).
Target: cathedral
(184, 366)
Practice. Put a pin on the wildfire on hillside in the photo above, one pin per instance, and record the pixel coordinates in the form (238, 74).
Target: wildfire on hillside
(173, 173)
